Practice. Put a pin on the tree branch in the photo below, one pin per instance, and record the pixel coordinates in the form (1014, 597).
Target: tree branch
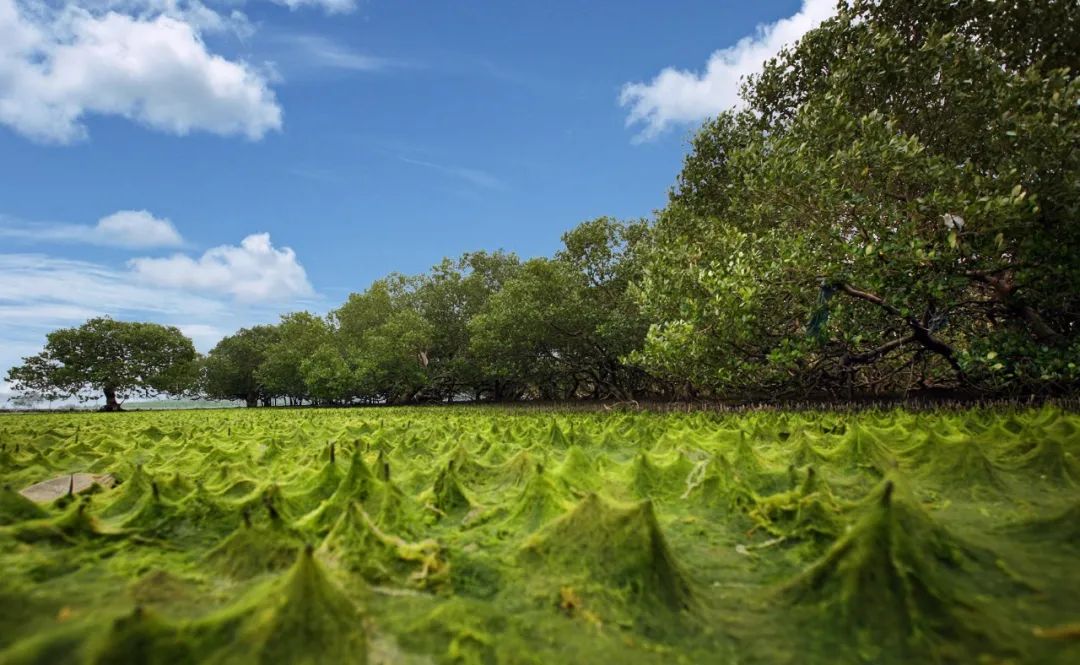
(919, 332)
(1005, 291)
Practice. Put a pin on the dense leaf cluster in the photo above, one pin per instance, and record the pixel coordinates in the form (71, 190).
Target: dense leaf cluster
(895, 209)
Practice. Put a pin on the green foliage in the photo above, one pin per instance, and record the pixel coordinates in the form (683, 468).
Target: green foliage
(563, 327)
(297, 338)
(915, 162)
(116, 358)
(229, 370)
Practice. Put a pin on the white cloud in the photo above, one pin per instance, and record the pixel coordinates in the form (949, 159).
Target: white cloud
(59, 65)
(678, 96)
(193, 12)
(132, 229)
(41, 293)
(329, 6)
(203, 335)
(47, 290)
(136, 228)
(253, 272)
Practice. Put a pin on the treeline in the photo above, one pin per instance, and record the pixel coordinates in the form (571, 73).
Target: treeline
(486, 326)
(895, 209)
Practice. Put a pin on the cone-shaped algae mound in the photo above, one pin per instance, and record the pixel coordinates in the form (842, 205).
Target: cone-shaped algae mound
(619, 545)
(1060, 528)
(448, 495)
(127, 496)
(75, 524)
(357, 544)
(902, 583)
(539, 503)
(254, 549)
(965, 462)
(302, 617)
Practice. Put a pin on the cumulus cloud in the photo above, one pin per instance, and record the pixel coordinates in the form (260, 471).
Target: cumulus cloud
(59, 65)
(255, 271)
(678, 96)
(131, 229)
(136, 228)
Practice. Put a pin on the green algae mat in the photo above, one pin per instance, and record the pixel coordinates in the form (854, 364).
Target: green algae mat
(499, 536)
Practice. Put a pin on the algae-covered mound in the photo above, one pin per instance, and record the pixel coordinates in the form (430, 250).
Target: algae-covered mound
(540, 502)
(254, 549)
(357, 544)
(903, 583)
(498, 535)
(302, 617)
(618, 545)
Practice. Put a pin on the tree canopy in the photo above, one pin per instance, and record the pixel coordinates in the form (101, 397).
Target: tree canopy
(896, 209)
(116, 359)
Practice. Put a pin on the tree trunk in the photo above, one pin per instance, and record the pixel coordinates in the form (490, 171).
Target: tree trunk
(251, 401)
(110, 399)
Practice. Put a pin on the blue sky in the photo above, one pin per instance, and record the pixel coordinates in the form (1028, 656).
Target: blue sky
(212, 164)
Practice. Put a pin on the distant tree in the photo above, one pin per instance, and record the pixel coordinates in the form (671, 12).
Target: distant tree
(117, 359)
(327, 376)
(229, 370)
(384, 341)
(562, 327)
(392, 358)
(447, 297)
(298, 336)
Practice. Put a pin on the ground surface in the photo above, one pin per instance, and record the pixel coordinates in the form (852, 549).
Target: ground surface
(466, 535)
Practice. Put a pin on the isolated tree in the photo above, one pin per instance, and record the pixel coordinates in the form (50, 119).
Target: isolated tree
(117, 359)
(229, 370)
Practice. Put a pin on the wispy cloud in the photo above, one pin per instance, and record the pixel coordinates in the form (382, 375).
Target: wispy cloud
(472, 176)
(309, 50)
(131, 229)
(328, 6)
